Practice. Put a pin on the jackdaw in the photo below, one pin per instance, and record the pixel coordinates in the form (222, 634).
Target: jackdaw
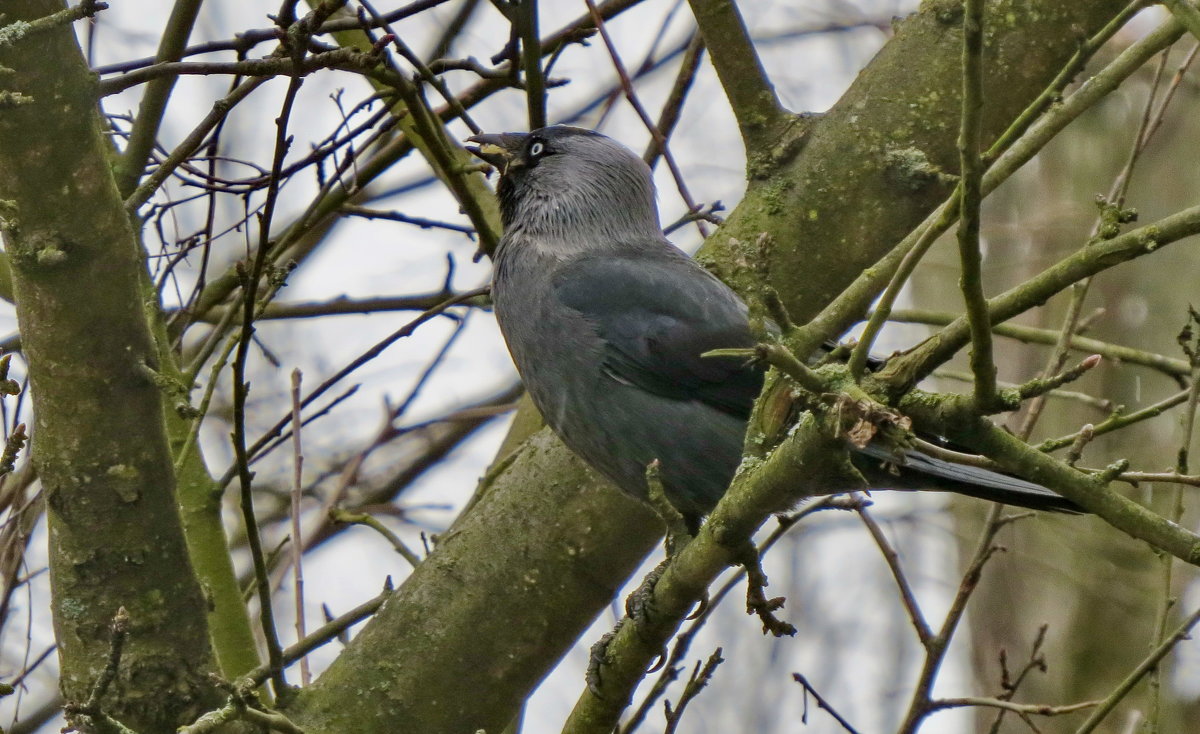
(607, 321)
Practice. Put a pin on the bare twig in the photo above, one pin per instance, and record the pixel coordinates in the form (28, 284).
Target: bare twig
(324, 634)
(361, 518)
(358, 362)
(635, 103)
(936, 647)
(835, 318)
(1038, 709)
(297, 537)
(1148, 664)
(346, 59)
(1011, 684)
(1112, 216)
(250, 289)
(673, 105)
(679, 650)
(924, 633)
(247, 40)
(821, 704)
(701, 675)
(88, 715)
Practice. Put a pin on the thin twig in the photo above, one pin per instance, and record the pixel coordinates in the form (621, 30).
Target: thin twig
(683, 640)
(821, 703)
(362, 518)
(1107, 224)
(1189, 342)
(324, 634)
(1032, 335)
(191, 143)
(297, 537)
(422, 222)
(240, 389)
(701, 675)
(1039, 709)
(924, 633)
(119, 629)
(673, 105)
(916, 364)
(346, 59)
(525, 18)
(1009, 684)
(844, 310)
(247, 40)
(358, 362)
(912, 249)
(971, 171)
(1148, 664)
(937, 646)
(635, 103)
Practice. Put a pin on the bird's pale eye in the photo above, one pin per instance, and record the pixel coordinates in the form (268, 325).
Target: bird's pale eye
(536, 149)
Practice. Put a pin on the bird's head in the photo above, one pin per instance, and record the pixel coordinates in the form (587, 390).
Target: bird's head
(567, 182)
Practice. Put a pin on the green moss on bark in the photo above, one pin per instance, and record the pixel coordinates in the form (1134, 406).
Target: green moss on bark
(99, 444)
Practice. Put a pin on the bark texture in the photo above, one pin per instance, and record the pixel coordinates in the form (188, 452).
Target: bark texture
(99, 443)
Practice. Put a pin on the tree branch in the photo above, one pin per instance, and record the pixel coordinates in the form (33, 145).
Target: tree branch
(799, 466)
(101, 447)
(154, 101)
(751, 95)
(970, 187)
(918, 363)
(952, 416)
(844, 308)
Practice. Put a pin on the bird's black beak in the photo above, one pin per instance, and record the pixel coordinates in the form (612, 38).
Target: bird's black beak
(498, 149)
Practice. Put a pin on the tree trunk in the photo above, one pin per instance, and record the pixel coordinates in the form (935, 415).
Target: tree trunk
(99, 443)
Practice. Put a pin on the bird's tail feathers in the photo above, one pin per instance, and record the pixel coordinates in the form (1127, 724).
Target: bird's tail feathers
(922, 471)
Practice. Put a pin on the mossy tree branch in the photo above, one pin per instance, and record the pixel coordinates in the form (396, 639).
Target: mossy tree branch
(747, 87)
(919, 363)
(894, 268)
(833, 207)
(100, 445)
(800, 466)
(515, 556)
(970, 187)
(955, 416)
(1187, 14)
(1117, 352)
(888, 145)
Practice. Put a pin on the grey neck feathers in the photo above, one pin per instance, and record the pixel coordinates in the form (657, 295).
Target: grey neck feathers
(586, 209)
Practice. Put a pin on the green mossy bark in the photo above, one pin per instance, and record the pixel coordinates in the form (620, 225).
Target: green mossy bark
(884, 156)
(499, 601)
(99, 443)
(199, 497)
(495, 606)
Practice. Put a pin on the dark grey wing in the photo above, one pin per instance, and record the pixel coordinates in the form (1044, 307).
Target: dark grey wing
(657, 312)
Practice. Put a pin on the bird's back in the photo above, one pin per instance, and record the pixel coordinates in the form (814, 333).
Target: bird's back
(609, 348)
